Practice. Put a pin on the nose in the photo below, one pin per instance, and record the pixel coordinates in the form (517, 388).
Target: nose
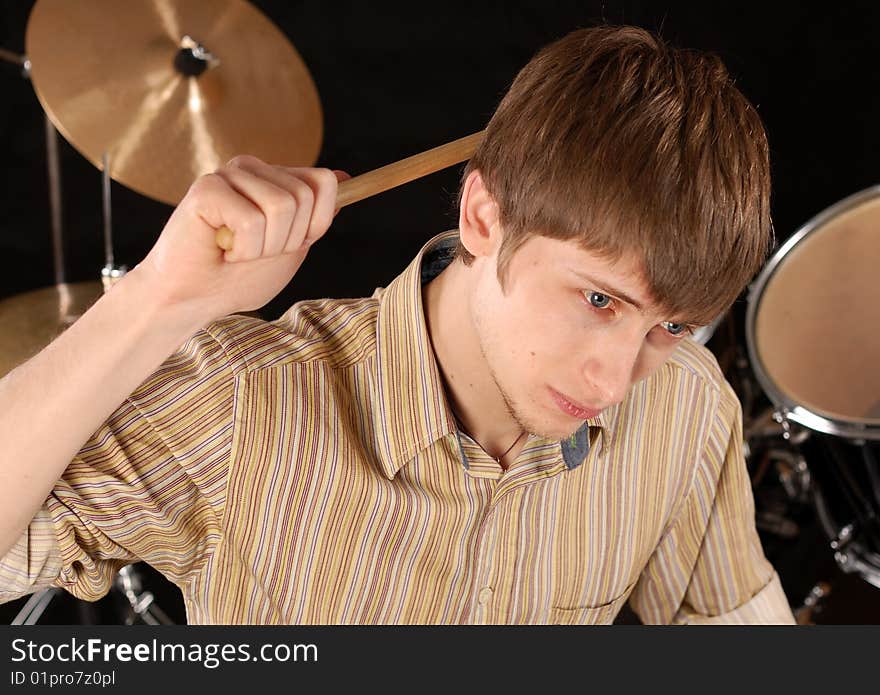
(610, 366)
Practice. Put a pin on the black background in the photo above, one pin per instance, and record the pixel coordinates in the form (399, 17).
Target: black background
(398, 78)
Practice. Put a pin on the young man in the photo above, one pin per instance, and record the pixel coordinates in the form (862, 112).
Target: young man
(516, 430)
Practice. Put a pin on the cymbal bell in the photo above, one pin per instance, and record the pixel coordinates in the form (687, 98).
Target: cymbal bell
(30, 321)
(172, 89)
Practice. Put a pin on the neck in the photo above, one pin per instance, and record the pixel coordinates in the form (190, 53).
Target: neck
(473, 395)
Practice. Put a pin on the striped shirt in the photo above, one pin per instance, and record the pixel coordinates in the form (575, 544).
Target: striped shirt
(309, 470)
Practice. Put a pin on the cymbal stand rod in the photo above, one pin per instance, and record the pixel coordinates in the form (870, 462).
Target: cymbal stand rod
(110, 273)
(54, 171)
(108, 218)
(16, 59)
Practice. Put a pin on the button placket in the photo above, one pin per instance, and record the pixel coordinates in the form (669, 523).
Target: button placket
(485, 544)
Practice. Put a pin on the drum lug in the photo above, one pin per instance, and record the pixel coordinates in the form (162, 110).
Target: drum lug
(843, 538)
(781, 417)
(794, 474)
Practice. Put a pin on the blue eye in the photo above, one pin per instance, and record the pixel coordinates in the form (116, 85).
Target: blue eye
(599, 300)
(675, 329)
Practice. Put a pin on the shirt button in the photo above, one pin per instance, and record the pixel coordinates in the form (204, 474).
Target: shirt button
(485, 595)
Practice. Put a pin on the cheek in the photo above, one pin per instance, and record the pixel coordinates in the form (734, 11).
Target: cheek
(543, 334)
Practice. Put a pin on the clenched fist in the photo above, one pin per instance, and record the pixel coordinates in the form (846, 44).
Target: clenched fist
(276, 214)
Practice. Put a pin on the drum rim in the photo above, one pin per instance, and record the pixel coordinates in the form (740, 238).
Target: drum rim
(853, 428)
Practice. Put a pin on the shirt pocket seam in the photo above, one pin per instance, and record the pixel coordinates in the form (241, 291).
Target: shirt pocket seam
(621, 596)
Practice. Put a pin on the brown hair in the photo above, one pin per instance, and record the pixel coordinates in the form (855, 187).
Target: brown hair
(611, 137)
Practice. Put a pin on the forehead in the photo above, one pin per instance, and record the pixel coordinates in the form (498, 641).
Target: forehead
(570, 261)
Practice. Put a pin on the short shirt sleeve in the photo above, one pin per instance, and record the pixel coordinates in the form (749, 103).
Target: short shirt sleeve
(710, 566)
(148, 485)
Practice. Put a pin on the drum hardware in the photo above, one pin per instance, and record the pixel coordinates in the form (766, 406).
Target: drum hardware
(812, 339)
(52, 170)
(141, 604)
(35, 606)
(172, 89)
(770, 425)
(193, 58)
(32, 320)
(858, 563)
(843, 537)
(781, 417)
(16, 59)
(110, 273)
(179, 109)
(793, 474)
(812, 603)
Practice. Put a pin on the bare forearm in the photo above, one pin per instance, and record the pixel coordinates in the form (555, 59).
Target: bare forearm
(50, 405)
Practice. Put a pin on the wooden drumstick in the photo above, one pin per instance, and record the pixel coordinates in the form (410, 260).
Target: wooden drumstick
(389, 176)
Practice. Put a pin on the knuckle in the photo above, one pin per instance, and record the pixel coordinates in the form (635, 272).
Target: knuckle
(202, 191)
(252, 227)
(303, 192)
(326, 177)
(281, 206)
(205, 184)
(240, 161)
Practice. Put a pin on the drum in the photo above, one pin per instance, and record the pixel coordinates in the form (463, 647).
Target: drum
(813, 337)
(813, 321)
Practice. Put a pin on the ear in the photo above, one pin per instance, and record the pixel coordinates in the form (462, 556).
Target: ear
(478, 218)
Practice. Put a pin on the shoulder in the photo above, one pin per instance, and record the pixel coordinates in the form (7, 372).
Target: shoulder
(688, 392)
(336, 332)
(697, 363)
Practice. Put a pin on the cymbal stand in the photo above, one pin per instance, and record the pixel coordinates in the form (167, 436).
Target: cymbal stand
(16, 59)
(110, 273)
(53, 170)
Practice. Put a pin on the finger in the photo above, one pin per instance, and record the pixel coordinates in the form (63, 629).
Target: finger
(275, 202)
(301, 192)
(324, 184)
(217, 204)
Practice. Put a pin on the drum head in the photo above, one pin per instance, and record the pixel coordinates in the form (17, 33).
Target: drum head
(813, 323)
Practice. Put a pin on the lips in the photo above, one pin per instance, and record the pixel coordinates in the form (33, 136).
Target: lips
(573, 408)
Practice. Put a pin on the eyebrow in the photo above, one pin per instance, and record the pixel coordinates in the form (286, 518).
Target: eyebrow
(608, 289)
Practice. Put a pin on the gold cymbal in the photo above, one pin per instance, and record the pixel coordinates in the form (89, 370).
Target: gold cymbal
(30, 321)
(112, 78)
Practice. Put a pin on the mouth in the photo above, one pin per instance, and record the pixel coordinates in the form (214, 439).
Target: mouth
(573, 408)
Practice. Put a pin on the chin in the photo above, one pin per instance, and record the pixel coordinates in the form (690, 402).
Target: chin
(547, 427)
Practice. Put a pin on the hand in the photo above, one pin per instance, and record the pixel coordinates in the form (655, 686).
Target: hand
(276, 213)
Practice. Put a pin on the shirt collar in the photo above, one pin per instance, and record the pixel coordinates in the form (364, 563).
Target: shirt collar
(412, 411)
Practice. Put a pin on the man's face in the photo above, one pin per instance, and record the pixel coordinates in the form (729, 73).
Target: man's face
(565, 338)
